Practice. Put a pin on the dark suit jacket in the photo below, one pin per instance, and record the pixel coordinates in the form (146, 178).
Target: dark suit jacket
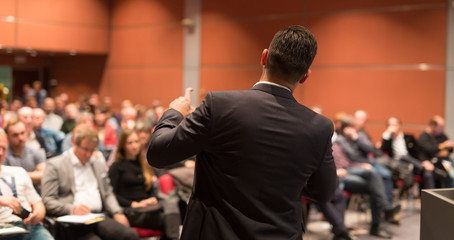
(256, 151)
(410, 143)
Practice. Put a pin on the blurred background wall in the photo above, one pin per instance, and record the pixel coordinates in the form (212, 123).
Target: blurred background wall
(387, 57)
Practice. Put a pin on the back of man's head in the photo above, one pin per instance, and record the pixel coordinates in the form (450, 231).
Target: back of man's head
(291, 53)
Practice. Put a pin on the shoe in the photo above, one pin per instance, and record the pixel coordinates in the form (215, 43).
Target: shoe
(380, 233)
(391, 212)
(344, 236)
(395, 220)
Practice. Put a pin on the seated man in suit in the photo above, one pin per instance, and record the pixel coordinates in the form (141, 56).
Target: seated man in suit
(76, 182)
(404, 149)
(17, 195)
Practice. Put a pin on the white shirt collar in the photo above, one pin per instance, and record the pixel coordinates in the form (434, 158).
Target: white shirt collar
(274, 84)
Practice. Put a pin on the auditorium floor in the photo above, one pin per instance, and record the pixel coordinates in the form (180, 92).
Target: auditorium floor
(359, 222)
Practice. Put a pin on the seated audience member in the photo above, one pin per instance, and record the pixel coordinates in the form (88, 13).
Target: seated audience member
(155, 112)
(132, 181)
(52, 138)
(359, 149)
(60, 105)
(128, 118)
(18, 154)
(143, 129)
(124, 104)
(360, 119)
(362, 178)
(17, 198)
(26, 92)
(106, 132)
(111, 116)
(76, 183)
(83, 118)
(435, 145)
(34, 138)
(403, 148)
(71, 112)
(31, 102)
(51, 120)
(15, 105)
(38, 92)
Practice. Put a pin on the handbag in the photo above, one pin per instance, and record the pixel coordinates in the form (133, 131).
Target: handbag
(144, 217)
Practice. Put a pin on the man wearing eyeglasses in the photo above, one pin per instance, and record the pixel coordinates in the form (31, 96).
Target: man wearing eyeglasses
(76, 183)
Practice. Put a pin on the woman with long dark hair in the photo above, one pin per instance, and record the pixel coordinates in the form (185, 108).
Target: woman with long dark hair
(137, 189)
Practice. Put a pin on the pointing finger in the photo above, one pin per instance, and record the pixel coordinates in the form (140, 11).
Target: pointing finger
(187, 93)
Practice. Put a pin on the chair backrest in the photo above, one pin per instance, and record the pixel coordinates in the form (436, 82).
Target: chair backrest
(166, 183)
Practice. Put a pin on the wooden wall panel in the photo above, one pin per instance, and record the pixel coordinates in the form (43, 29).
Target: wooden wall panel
(369, 51)
(51, 25)
(139, 12)
(146, 52)
(250, 10)
(77, 75)
(407, 37)
(68, 12)
(232, 43)
(352, 5)
(62, 38)
(7, 37)
(8, 8)
(154, 45)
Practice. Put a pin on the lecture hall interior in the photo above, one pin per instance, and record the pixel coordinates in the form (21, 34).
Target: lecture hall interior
(387, 57)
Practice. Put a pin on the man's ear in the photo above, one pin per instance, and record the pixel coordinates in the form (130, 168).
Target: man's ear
(264, 57)
(305, 76)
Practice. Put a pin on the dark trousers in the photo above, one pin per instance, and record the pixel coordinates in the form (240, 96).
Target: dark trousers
(104, 230)
(334, 212)
(360, 180)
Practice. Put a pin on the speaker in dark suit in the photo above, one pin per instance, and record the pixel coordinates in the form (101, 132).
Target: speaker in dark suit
(258, 150)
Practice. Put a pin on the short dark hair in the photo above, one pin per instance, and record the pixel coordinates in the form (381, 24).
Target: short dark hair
(291, 53)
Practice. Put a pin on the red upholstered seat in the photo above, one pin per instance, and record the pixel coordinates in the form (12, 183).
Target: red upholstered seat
(143, 232)
(166, 183)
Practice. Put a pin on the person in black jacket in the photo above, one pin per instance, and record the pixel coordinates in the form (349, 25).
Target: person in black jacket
(403, 147)
(258, 150)
(134, 185)
(436, 146)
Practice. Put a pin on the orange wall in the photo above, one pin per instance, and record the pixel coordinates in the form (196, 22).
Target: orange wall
(369, 51)
(368, 58)
(80, 25)
(145, 59)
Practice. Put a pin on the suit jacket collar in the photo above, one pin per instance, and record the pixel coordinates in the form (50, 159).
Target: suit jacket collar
(274, 90)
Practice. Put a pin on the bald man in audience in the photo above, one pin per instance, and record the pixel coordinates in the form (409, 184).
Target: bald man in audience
(52, 138)
(34, 139)
(51, 120)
